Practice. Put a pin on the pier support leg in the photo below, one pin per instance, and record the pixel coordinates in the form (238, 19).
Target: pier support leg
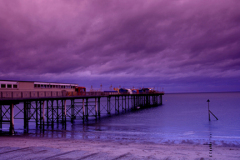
(1, 118)
(72, 110)
(26, 106)
(40, 110)
(134, 102)
(108, 105)
(57, 112)
(147, 100)
(150, 100)
(52, 112)
(96, 108)
(83, 106)
(43, 115)
(12, 119)
(137, 101)
(125, 103)
(118, 104)
(128, 102)
(65, 113)
(143, 101)
(161, 99)
(122, 104)
(47, 112)
(86, 108)
(99, 109)
(115, 104)
(36, 109)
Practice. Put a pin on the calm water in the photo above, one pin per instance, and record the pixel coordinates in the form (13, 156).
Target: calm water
(183, 118)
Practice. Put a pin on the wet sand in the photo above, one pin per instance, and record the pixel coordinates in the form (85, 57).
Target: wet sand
(18, 147)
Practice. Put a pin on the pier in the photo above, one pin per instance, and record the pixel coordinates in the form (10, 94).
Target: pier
(47, 108)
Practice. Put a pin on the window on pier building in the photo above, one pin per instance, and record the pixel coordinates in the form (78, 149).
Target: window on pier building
(14, 86)
(35, 85)
(53, 86)
(9, 86)
(3, 85)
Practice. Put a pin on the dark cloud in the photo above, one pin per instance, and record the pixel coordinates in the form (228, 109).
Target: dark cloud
(121, 42)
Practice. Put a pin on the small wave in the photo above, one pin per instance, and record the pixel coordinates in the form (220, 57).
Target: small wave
(227, 137)
(189, 133)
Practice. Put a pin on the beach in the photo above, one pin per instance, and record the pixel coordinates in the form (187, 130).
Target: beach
(20, 147)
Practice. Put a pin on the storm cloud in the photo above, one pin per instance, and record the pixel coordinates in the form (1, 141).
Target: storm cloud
(179, 45)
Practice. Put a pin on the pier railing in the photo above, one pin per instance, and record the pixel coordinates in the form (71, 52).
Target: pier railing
(41, 94)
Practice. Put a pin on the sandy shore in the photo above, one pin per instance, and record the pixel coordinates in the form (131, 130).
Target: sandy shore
(18, 147)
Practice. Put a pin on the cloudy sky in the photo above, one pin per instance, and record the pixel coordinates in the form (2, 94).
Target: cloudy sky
(178, 45)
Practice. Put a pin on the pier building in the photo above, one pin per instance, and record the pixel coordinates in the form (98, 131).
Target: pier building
(35, 86)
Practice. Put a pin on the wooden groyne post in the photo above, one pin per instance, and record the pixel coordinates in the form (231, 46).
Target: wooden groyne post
(209, 112)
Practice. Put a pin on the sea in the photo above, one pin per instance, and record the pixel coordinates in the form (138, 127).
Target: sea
(182, 118)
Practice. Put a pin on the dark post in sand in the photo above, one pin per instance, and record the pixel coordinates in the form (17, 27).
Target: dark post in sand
(208, 109)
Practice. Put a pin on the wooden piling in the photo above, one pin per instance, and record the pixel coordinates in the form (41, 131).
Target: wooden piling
(122, 104)
(62, 101)
(128, 102)
(43, 115)
(115, 103)
(86, 106)
(65, 113)
(208, 110)
(109, 105)
(125, 103)
(40, 110)
(99, 109)
(118, 104)
(52, 112)
(1, 118)
(47, 112)
(57, 112)
(96, 108)
(12, 119)
(161, 99)
(26, 108)
(36, 109)
(72, 110)
(83, 108)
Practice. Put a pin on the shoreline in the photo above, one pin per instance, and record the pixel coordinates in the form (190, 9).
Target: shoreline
(11, 147)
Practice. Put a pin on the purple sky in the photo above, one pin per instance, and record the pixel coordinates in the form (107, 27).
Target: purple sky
(178, 45)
